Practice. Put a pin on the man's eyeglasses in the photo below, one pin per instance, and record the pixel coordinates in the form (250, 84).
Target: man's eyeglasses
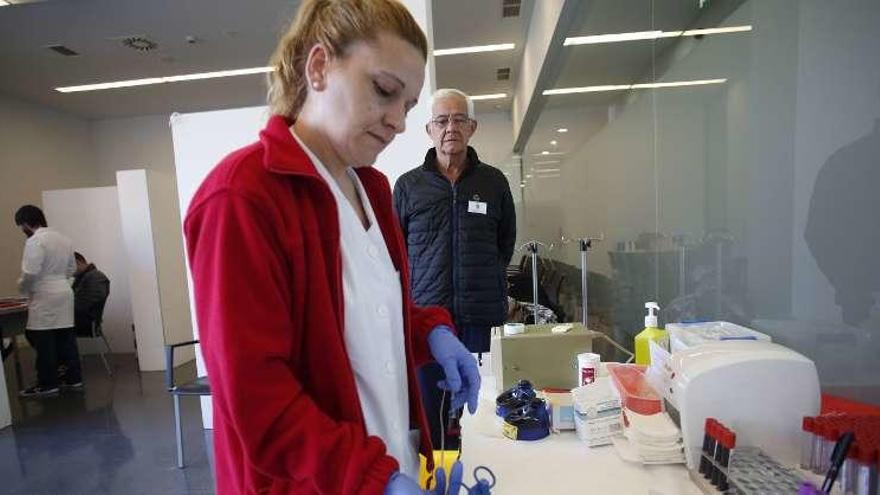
(457, 120)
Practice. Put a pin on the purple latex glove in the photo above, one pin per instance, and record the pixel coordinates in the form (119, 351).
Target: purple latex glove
(460, 367)
(401, 484)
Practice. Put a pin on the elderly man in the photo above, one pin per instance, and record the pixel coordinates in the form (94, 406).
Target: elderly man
(459, 222)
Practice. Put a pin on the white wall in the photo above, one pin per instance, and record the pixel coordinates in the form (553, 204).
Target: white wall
(40, 149)
(145, 143)
(90, 217)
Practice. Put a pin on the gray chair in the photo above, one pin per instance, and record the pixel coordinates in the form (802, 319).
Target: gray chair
(196, 388)
(94, 330)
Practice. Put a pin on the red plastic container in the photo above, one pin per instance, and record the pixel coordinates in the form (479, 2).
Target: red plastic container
(635, 392)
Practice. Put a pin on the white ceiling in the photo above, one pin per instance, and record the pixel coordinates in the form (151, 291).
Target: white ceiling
(610, 64)
(459, 23)
(230, 34)
(234, 34)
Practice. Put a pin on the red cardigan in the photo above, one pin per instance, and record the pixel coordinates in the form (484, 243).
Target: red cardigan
(262, 236)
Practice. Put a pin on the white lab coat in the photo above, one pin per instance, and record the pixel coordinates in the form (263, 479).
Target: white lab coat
(373, 308)
(46, 267)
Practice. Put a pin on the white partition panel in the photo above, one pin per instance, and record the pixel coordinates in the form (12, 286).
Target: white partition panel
(137, 232)
(90, 217)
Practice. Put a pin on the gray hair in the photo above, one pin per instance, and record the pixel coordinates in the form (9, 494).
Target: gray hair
(444, 93)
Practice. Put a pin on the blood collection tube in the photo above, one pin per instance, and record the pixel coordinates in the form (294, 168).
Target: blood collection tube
(819, 427)
(865, 476)
(720, 453)
(809, 438)
(829, 439)
(708, 446)
(847, 478)
(729, 442)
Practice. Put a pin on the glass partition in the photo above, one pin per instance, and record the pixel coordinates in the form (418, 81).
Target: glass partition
(728, 154)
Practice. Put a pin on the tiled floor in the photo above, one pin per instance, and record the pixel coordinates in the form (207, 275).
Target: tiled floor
(115, 437)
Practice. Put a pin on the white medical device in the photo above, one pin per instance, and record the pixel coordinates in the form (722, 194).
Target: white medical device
(758, 389)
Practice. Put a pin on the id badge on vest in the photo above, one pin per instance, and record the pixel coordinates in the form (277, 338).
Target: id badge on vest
(477, 206)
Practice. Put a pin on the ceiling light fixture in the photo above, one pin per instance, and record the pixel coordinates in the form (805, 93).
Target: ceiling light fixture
(562, 129)
(546, 170)
(678, 84)
(611, 38)
(474, 49)
(548, 162)
(549, 153)
(586, 89)
(622, 87)
(720, 30)
(553, 142)
(649, 35)
(492, 96)
(162, 80)
(3, 3)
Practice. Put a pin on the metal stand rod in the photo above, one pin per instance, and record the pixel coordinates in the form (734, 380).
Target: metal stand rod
(682, 281)
(584, 245)
(719, 277)
(533, 248)
(177, 431)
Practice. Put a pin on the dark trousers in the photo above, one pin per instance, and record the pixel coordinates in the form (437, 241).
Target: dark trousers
(475, 337)
(55, 347)
(432, 396)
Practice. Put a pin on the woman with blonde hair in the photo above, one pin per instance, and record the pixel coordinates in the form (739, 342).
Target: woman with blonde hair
(301, 278)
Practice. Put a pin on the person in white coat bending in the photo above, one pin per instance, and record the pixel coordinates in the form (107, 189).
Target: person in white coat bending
(46, 267)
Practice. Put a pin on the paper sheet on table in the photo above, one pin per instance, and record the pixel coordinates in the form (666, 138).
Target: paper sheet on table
(658, 373)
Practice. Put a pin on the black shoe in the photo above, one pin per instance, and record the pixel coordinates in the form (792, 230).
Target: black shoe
(38, 392)
(72, 386)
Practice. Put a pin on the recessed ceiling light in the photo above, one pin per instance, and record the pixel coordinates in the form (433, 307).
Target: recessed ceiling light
(162, 80)
(611, 38)
(493, 96)
(548, 162)
(549, 153)
(622, 87)
(553, 143)
(678, 84)
(649, 35)
(586, 89)
(3, 3)
(474, 49)
(546, 170)
(545, 152)
(562, 129)
(720, 30)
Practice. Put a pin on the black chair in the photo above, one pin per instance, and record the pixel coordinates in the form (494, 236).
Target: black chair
(196, 388)
(93, 330)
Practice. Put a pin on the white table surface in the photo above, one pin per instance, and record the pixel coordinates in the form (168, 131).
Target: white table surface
(558, 464)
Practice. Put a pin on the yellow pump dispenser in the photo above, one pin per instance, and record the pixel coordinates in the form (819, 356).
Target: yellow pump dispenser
(650, 333)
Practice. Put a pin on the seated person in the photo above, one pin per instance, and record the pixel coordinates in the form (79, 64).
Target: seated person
(90, 289)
